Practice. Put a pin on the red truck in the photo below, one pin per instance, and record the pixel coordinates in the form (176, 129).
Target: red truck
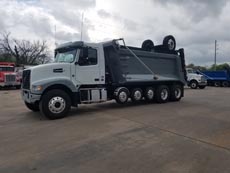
(8, 76)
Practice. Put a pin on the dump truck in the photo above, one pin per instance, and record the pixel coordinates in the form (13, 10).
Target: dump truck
(85, 73)
(8, 76)
(217, 78)
(195, 79)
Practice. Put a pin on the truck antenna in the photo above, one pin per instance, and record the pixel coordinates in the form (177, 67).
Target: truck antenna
(82, 25)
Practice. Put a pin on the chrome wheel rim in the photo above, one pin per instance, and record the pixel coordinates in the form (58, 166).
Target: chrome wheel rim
(137, 95)
(193, 85)
(164, 94)
(177, 93)
(123, 96)
(171, 44)
(150, 94)
(57, 105)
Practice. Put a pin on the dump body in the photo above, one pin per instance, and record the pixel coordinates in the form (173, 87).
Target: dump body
(217, 78)
(135, 65)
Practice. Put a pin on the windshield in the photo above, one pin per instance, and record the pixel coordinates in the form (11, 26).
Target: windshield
(11, 69)
(190, 71)
(67, 56)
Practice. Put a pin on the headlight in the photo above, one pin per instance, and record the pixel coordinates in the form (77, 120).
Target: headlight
(36, 87)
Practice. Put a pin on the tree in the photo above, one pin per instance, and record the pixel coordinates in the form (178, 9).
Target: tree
(224, 66)
(24, 51)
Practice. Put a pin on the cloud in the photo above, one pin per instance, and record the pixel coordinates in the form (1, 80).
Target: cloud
(197, 9)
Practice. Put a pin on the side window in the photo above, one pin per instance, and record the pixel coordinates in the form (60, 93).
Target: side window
(88, 56)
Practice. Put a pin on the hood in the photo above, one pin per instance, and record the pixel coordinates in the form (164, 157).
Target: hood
(195, 75)
(52, 70)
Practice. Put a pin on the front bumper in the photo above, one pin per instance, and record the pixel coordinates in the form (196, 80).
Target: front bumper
(5, 84)
(204, 83)
(29, 97)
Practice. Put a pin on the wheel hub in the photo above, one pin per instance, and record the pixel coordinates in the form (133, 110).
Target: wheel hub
(171, 44)
(150, 94)
(137, 95)
(123, 96)
(57, 105)
(164, 94)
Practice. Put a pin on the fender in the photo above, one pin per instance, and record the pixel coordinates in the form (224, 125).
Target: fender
(54, 81)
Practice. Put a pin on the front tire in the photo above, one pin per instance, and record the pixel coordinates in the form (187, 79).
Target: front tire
(193, 84)
(32, 106)
(202, 87)
(55, 104)
(162, 94)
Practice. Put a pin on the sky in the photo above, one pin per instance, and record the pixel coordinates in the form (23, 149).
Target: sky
(195, 24)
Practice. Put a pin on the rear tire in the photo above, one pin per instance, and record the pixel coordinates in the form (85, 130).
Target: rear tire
(18, 87)
(225, 84)
(136, 95)
(32, 106)
(121, 95)
(55, 104)
(176, 92)
(217, 84)
(162, 94)
(149, 94)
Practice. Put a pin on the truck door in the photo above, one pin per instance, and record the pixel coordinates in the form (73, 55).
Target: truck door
(88, 67)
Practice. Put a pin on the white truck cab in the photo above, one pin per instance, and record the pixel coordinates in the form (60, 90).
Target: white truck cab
(195, 80)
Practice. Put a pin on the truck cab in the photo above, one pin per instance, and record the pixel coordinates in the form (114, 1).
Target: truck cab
(195, 80)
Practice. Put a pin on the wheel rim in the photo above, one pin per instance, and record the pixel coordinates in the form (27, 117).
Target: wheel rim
(150, 94)
(193, 85)
(171, 44)
(164, 94)
(123, 96)
(137, 95)
(178, 93)
(57, 105)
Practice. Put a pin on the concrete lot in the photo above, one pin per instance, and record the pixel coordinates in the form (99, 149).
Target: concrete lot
(188, 136)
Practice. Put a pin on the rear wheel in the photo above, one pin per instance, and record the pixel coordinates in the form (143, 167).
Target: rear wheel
(121, 95)
(136, 95)
(162, 94)
(216, 83)
(225, 84)
(176, 92)
(149, 94)
(32, 106)
(55, 104)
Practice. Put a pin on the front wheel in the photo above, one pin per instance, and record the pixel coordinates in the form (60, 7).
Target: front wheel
(32, 106)
(202, 87)
(194, 84)
(55, 104)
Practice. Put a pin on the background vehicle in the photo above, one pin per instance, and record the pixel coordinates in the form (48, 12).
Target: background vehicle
(8, 77)
(217, 78)
(96, 72)
(195, 80)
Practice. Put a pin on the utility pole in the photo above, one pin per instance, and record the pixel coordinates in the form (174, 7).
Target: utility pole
(215, 55)
(82, 25)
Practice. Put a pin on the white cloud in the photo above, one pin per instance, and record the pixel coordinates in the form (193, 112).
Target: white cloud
(195, 24)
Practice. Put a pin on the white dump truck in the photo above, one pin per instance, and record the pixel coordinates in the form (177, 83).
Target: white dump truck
(195, 80)
(86, 73)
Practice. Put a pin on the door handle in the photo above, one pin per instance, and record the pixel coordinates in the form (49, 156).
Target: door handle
(96, 79)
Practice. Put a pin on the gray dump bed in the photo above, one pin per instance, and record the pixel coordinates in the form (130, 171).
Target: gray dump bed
(135, 65)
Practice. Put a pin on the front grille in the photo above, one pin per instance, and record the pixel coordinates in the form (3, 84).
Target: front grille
(26, 79)
(10, 78)
(203, 79)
